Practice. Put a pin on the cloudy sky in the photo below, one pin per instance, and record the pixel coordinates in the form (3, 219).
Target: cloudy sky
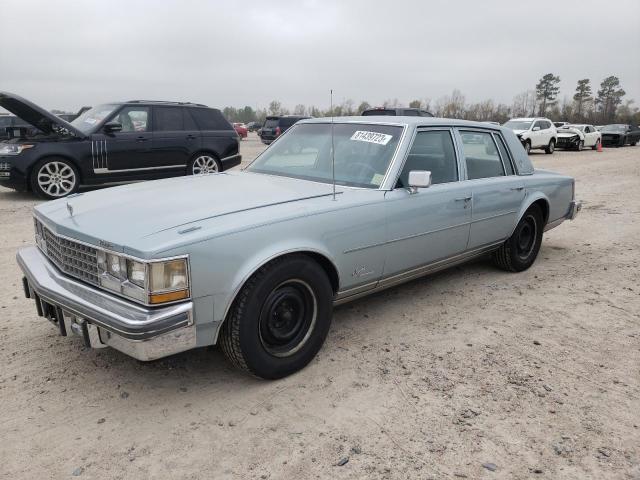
(65, 54)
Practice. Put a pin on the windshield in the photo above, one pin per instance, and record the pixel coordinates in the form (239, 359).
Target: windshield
(614, 128)
(92, 117)
(362, 153)
(518, 124)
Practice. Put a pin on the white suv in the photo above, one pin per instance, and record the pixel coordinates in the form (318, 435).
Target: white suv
(535, 133)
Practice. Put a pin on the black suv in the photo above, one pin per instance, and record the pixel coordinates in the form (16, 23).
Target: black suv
(276, 125)
(115, 142)
(400, 112)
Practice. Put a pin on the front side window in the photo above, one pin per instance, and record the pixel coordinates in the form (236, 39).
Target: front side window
(362, 153)
(539, 124)
(88, 120)
(167, 119)
(133, 119)
(481, 155)
(432, 151)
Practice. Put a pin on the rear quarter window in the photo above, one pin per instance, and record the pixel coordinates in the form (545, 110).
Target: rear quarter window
(209, 119)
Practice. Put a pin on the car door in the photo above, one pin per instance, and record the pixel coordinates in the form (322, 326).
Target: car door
(497, 193)
(432, 223)
(174, 137)
(130, 148)
(590, 136)
(537, 135)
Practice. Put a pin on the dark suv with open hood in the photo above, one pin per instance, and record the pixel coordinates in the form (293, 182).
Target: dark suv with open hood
(113, 143)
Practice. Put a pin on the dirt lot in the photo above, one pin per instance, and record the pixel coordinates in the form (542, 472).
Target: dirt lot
(537, 373)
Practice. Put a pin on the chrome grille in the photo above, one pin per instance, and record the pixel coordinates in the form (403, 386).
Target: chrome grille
(71, 257)
(5, 166)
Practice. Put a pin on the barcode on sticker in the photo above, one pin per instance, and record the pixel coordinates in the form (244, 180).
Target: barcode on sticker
(371, 137)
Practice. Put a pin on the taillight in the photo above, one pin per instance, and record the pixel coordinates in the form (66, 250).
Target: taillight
(277, 131)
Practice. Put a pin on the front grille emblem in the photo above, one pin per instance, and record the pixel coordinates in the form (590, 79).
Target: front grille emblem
(70, 209)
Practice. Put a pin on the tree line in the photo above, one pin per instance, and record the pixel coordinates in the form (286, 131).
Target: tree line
(606, 105)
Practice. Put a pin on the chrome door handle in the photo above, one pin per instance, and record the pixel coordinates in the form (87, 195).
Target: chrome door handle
(517, 189)
(463, 199)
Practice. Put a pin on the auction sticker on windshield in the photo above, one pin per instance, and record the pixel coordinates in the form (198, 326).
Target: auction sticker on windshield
(371, 137)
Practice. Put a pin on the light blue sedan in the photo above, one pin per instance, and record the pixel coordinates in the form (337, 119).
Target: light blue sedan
(255, 260)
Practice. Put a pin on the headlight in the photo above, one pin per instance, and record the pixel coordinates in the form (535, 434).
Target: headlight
(13, 148)
(136, 273)
(153, 282)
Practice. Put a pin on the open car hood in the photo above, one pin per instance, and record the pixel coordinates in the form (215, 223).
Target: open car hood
(31, 113)
(569, 132)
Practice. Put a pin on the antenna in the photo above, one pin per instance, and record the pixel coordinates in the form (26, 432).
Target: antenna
(333, 153)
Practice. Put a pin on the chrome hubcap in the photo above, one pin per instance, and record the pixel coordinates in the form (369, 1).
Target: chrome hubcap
(56, 179)
(204, 164)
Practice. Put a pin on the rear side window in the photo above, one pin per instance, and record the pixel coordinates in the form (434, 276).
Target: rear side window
(210, 119)
(167, 119)
(432, 151)
(481, 155)
(189, 122)
(504, 153)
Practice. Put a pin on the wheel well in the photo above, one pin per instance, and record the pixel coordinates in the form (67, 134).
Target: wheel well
(208, 152)
(544, 207)
(329, 268)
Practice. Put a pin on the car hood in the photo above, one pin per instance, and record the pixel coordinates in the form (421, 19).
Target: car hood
(568, 132)
(519, 132)
(33, 114)
(124, 218)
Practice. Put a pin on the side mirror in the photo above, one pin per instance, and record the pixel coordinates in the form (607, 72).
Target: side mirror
(535, 129)
(112, 127)
(419, 179)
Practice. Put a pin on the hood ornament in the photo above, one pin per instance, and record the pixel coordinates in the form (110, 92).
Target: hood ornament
(70, 209)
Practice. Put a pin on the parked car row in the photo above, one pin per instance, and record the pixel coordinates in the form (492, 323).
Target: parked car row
(542, 133)
(113, 143)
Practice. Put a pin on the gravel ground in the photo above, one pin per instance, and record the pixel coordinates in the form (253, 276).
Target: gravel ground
(470, 373)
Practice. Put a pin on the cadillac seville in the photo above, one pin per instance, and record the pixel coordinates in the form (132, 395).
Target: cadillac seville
(254, 260)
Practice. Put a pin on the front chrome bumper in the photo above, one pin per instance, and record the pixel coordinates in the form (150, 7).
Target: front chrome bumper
(103, 319)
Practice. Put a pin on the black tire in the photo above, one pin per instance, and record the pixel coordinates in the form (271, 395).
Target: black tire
(595, 147)
(520, 250)
(527, 147)
(580, 145)
(54, 177)
(280, 318)
(203, 163)
(549, 149)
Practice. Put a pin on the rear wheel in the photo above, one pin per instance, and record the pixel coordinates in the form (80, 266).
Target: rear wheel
(520, 250)
(202, 164)
(549, 149)
(54, 178)
(280, 318)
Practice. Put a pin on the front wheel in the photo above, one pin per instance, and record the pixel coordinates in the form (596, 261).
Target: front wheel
(527, 147)
(549, 149)
(202, 164)
(280, 318)
(580, 145)
(520, 250)
(54, 178)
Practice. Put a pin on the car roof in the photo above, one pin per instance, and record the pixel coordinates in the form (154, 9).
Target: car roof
(402, 121)
(159, 102)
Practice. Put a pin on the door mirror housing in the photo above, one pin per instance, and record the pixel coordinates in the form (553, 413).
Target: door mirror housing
(112, 127)
(535, 129)
(419, 179)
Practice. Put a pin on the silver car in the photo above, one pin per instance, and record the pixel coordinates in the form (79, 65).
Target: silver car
(254, 260)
